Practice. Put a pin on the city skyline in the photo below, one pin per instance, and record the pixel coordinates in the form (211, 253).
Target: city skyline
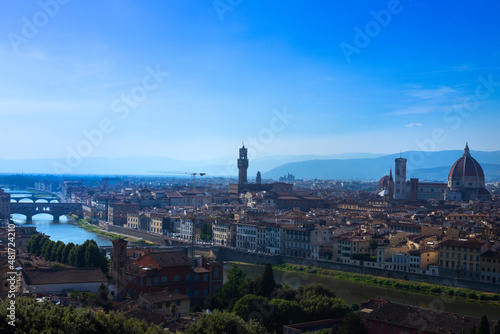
(191, 81)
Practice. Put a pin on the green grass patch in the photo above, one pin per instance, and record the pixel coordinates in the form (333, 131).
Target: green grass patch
(412, 286)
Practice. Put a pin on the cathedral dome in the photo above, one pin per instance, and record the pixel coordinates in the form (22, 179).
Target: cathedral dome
(467, 167)
(384, 182)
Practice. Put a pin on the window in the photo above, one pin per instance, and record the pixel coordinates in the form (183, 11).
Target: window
(157, 281)
(216, 273)
(188, 277)
(176, 291)
(164, 279)
(176, 278)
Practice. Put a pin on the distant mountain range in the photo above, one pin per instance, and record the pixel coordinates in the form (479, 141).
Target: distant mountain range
(431, 166)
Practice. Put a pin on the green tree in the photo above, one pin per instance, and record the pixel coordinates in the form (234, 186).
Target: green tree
(173, 309)
(353, 324)
(373, 246)
(266, 283)
(72, 255)
(496, 330)
(321, 307)
(102, 297)
(65, 253)
(484, 326)
(58, 247)
(80, 256)
(473, 330)
(285, 312)
(47, 253)
(45, 317)
(250, 306)
(224, 322)
(314, 289)
(233, 288)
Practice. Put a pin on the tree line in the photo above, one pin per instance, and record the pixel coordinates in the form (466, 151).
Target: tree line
(275, 305)
(85, 255)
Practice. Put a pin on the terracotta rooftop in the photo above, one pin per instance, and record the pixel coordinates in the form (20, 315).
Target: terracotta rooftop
(467, 244)
(164, 296)
(58, 276)
(169, 259)
(413, 318)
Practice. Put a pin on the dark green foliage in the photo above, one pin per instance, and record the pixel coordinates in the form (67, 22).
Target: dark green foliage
(250, 306)
(206, 230)
(496, 330)
(484, 326)
(35, 317)
(315, 289)
(102, 298)
(266, 284)
(224, 322)
(353, 324)
(65, 252)
(86, 255)
(57, 251)
(321, 307)
(233, 289)
(473, 330)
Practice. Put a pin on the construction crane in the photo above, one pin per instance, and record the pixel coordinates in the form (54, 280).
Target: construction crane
(182, 173)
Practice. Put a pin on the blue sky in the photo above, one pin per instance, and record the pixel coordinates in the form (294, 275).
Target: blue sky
(426, 76)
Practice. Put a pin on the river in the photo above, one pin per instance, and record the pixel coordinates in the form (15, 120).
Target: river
(355, 292)
(65, 230)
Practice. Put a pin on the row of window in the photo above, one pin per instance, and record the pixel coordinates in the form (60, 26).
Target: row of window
(156, 280)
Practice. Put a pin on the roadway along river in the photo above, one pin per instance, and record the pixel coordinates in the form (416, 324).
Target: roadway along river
(354, 292)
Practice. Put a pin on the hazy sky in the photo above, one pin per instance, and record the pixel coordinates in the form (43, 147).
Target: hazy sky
(193, 79)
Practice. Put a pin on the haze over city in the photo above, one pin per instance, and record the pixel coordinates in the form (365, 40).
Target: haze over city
(191, 80)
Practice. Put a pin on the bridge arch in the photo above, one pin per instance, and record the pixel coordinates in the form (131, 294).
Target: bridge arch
(30, 209)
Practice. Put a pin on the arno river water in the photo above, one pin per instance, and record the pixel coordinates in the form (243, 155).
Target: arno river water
(354, 292)
(65, 230)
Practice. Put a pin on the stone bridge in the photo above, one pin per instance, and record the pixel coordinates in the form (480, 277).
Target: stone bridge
(54, 209)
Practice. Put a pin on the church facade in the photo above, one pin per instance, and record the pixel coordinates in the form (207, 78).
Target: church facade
(465, 182)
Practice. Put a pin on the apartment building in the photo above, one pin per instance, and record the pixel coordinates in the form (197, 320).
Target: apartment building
(224, 232)
(246, 236)
(461, 258)
(490, 266)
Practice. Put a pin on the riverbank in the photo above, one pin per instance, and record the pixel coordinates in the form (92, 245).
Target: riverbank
(396, 284)
(83, 223)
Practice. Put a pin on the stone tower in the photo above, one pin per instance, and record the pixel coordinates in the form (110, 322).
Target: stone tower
(400, 179)
(258, 180)
(390, 186)
(242, 165)
(118, 267)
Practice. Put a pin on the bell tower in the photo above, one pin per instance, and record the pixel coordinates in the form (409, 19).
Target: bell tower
(400, 179)
(242, 166)
(118, 266)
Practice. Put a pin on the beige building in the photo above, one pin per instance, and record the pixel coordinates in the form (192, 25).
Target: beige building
(461, 258)
(490, 266)
(159, 302)
(224, 232)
